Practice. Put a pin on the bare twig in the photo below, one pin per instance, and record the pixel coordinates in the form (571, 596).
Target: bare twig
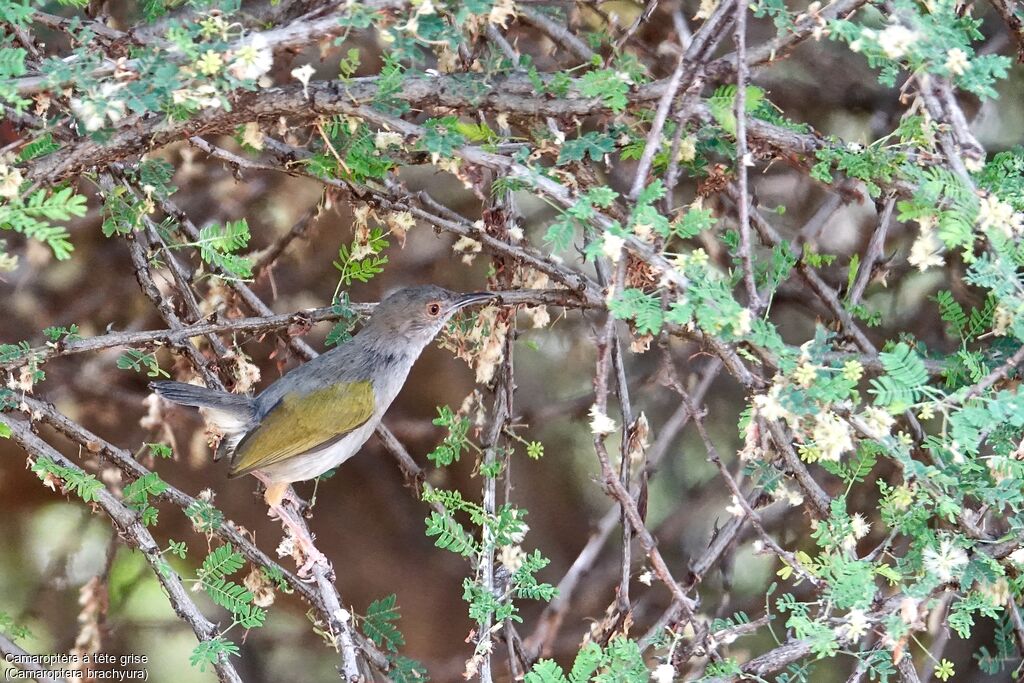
(127, 523)
(873, 253)
(742, 160)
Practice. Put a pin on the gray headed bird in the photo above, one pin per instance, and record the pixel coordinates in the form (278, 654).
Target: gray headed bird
(319, 415)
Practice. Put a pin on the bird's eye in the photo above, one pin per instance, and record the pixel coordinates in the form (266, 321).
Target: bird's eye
(433, 309)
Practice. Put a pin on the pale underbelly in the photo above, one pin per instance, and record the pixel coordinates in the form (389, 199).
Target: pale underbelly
(312, 464)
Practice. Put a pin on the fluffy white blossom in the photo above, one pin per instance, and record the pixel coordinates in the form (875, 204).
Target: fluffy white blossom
(540, 316)
(95, 110)
(878, 421)
(252, 60)
(945, 561)
(302, 74)
(927, 249)
(860, 526)
(611, 246)
(387, 138)
(895, 40)
(768, 405)
(742, 325)
(956, 62)
(831, 436)
(855, 627)
(468, 247)
(734, 508)
(996, 214)
(511, 557)
(10, 180)
(600, 423)
(789, 494)
(663, 673)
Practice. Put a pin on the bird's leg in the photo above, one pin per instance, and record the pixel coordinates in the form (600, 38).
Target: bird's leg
(289, 493)
(275, 496)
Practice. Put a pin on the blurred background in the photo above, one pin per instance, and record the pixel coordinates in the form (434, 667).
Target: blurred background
(365, 520)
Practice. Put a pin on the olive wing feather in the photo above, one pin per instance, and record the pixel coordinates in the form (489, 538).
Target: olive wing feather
(301, 422)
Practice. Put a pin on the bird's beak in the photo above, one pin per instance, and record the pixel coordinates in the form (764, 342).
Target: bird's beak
(472, 298)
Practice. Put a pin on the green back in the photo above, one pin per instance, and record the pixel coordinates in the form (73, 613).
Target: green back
(300, 423)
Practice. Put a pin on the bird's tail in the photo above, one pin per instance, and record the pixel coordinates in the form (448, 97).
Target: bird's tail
(201, 397)
(232, 414)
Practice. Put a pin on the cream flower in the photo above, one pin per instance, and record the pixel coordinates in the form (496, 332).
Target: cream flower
(511, 557)
(956, 62)
(879, 422)
(687, 149)
(994, 213)
(945, 561)
(805, 374)
(706, 9)
(663, 673)
(387, 138)
(10, 180)
(895, 40)
(927, 249)
(859, 526)
(734, 508)
(611, 246)
(768, 405)
(252, 60)
(855, 627)
(600, 424)
(210, 63)
(302, 74)
(831, 436)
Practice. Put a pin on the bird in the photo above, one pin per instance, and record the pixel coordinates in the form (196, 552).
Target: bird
(319, 414)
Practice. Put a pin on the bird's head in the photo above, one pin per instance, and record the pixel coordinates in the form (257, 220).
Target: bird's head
(417, 314)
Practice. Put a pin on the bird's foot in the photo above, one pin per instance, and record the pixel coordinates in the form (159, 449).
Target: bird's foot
(301, 546)
(314, 557)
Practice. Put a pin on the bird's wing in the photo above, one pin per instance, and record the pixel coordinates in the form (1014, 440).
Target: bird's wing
(302, 422)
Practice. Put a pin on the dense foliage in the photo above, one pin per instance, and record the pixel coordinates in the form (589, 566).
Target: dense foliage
(616, 162)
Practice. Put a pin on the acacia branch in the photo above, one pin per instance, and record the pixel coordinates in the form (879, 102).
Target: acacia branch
(126, 522)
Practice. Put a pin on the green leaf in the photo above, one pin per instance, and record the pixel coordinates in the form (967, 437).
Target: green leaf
(208, 652)
(443, 136)
(218, 244)
(547, 671)
(588, 659)
(378, 626)
(85, 486)
(722, 105)
(609, 85)
(450, 535)
(32, 217)
(592, 144)
(642, 308)
(222, 562)
(900, 387)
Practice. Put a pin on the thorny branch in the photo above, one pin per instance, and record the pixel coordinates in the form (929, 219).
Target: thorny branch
(510, 95)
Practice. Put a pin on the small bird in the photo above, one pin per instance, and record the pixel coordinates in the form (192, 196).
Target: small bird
(319, 415)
